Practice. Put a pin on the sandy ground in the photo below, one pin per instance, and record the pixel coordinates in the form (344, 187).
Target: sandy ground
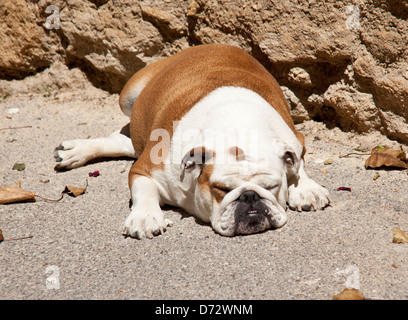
(76, 250)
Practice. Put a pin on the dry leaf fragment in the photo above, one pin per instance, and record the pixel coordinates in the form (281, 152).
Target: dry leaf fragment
(400, 236)
(343, 189)
(19, 166)
(385, 156)
(349, 294)
(74, 191)
(1, 235)
(15, 194)
(328, 161)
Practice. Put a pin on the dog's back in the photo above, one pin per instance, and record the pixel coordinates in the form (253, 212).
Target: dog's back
(180, 79)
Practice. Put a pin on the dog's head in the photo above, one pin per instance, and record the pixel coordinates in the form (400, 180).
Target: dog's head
(243, 193)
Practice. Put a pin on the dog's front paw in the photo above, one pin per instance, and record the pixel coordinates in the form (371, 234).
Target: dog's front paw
(145, 224)
(72, 154)
(308, 195)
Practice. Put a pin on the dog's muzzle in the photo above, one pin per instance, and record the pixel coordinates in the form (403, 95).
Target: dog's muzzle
(251, 214)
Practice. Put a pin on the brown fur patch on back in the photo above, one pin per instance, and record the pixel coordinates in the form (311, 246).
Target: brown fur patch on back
(204, 178)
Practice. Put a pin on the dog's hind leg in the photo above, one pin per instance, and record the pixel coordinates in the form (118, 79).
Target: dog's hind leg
(75, 153)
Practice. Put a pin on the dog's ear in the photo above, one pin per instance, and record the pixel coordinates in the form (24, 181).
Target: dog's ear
(291, 161)
(195, 158)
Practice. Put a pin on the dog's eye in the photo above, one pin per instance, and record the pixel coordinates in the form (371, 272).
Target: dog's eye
(271, 187)
(221, 188)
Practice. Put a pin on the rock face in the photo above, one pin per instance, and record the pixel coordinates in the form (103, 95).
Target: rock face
(341, 62)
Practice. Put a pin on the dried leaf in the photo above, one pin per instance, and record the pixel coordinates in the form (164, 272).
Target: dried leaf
(349, 294)
(400, 236)
(328, 161)
(1, 235)
(15, 194)
(74, 191)
(385, 156)
(19, 166)
(344, 189)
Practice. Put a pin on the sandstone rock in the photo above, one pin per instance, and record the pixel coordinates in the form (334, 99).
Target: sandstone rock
(297, 109)
(344, 63)
(300, 76)
(57, 82)
(169, 26)
(353, 108)
(25, 47)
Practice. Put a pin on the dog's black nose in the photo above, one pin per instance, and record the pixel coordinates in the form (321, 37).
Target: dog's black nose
(249, 196)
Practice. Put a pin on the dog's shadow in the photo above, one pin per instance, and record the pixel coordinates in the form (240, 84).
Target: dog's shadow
(183, 214)
(166, 208)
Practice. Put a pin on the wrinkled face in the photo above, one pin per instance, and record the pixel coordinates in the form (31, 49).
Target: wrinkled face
(245, 194)
(248, 204)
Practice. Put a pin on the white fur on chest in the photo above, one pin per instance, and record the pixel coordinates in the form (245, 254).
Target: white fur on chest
(228, 116)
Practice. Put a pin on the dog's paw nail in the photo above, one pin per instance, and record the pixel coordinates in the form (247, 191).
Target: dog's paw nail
(159, 231)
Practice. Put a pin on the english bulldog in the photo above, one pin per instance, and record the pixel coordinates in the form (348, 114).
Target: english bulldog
(213, 135)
